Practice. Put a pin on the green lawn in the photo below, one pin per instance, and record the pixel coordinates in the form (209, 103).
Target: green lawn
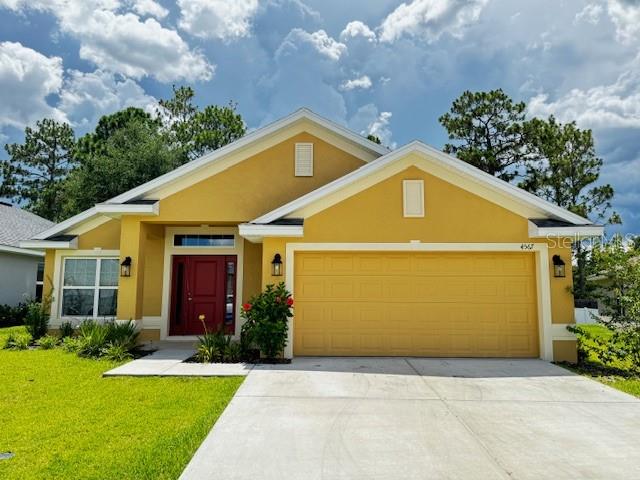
(619, 378)
(63, 420)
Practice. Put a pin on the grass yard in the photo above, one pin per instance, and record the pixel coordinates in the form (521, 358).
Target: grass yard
(619, 377)
(63, 420)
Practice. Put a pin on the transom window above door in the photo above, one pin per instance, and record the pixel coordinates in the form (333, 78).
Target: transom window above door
(90, 287)
(204, 240)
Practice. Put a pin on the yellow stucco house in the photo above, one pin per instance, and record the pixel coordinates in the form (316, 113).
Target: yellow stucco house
(408, 252)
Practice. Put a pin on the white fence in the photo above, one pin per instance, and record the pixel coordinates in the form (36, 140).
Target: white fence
(586, 315)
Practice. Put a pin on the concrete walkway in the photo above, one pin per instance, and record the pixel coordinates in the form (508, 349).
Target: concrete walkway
(421, 419)
(168, 360)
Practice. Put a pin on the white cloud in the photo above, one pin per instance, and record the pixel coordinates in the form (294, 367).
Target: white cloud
(625, 15)
(616, 105)
(369, 121)
(86, 96)
(363, 82)
(149, 7)
(320, 41)
(357, 29)
(589, 14)
(27, 78)
(217, 18)
(122, 42)
(429, 19)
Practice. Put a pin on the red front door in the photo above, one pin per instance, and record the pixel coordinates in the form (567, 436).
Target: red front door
(202, 285)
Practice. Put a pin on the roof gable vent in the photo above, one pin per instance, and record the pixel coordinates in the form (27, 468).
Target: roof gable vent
(304, 160)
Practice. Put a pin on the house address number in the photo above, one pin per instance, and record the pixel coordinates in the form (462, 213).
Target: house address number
(526, 246)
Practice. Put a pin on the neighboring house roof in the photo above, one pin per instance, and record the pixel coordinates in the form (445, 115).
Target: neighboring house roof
(425, 156)
(143, 200)
(17, 225)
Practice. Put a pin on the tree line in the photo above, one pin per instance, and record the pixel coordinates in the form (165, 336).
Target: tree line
(56, 176)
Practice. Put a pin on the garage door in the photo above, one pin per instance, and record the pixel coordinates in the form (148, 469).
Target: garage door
(415, 304)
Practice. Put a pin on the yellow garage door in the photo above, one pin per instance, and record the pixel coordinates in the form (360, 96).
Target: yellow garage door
(415, 304)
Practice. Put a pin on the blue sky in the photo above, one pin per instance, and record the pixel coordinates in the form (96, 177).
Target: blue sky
(382, 67)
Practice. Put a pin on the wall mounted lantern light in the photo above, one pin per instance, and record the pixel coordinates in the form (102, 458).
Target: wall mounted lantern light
(558, 266)
(125, 267)
(276, 265)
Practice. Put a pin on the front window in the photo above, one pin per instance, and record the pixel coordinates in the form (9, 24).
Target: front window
(39, 281)
(90, 287)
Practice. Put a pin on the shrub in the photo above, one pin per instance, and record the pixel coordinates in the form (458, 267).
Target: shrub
(94, 337)
(66, 330)
(71, 344)
(123, 333)
(629, 341)
(232, 352)
(116, 352)
(37, 318)
(266, 317)
(17, 341)
(212, 345)
(47, 342)
(12, 315)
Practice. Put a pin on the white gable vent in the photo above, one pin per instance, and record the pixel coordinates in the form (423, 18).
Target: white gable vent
(413, 198)
(304, 160)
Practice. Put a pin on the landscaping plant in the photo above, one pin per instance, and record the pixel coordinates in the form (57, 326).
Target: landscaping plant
(66, 330)
(11, 316)
(216, 346)
(47, 342)
(620, 298)
(116, 352)
(15, 341)
(95, 339)
(266, 316)
(37, 318)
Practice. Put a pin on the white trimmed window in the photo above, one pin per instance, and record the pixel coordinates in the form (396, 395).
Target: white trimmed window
(90, 287)
(304, 160)
(413, 198)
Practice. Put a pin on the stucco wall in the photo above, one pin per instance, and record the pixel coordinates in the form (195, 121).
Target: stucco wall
(452, 215)
(17, 277)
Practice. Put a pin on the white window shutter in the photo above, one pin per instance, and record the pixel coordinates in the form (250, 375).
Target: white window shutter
(304, 160)
(413, 198)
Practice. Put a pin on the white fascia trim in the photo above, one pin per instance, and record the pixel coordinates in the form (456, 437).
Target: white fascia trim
(44, 244)
(68, 223)
(21, 251)
(99, 209)
(447, 161)
(128, 209)
(578, 231)
(258, 134)
(255, 233)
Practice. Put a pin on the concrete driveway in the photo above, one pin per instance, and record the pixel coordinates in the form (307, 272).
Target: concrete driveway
(373, 418)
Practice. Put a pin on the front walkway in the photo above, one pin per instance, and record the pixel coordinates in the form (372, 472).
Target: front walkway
(396, 418)
(168, 360)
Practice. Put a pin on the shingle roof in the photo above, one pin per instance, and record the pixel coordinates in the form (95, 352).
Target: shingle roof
(17, 225)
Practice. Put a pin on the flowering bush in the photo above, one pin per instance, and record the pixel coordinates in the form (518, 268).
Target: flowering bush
(266, 317)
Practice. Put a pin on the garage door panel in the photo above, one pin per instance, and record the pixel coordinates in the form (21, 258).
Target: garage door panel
(424, 304)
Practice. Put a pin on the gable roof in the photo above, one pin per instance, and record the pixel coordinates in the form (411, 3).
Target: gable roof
(209, 158)
(17, 225)
(139, 194)
(446, 163)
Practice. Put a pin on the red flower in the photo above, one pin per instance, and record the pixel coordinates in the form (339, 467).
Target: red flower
(290, 301)
(246, 307)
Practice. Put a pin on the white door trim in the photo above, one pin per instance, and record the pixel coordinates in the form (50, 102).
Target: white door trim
(540, 250)
(170, 250)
